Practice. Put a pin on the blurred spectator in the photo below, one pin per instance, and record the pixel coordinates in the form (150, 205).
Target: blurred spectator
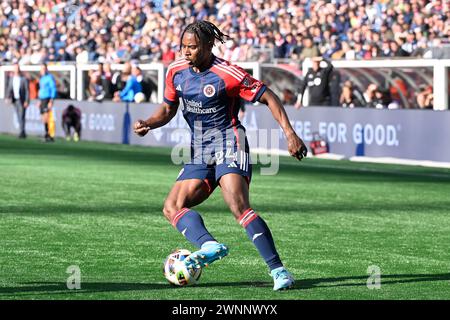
(386, 49)
(106, 78)
(96, 89)
(167, 53)
(232, 51)
(309, 50)
(289, 45)
(280, 48)
(424, 98)
(398, 90)
(51, 54)
(132, 86)
(288, 97)
(100, 83)
(71, 119)
(62, 55)
(331, 49)
(370, 99)
(146, 84)
(435, 52)
(38, 55)
(383, 99)
(119, 78)
(347, 98)
(358, 51)
(81, 55)
(373, 53)
(348, 52)
(34, 88)
(410, 43)
(123, 30)
(396, 49)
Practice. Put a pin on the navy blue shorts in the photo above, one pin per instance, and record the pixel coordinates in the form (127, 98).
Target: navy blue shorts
(230, 159)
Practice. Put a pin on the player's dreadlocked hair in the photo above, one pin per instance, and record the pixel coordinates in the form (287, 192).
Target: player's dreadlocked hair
(206, 32)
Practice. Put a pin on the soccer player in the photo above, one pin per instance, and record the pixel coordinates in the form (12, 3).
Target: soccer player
(207, 89)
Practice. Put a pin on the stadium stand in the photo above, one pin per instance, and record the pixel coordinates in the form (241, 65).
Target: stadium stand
(281, 35)
(117, 31)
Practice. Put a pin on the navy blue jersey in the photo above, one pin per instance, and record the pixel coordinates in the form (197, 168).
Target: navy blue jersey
(212, 96)
(209, 101)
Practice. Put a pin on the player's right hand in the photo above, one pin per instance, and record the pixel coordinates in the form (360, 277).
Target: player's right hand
(141, 128)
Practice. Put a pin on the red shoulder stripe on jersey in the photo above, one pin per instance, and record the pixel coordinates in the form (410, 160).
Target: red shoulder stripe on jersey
(177, 64)
(226, 65)
(229, 72)
(231, 67)
(169, 91)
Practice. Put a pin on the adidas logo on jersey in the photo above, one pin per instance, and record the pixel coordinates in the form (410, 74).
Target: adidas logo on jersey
(232, 165)
(178, 88)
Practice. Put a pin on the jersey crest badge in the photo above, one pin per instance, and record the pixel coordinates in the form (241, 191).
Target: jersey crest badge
(209, 90)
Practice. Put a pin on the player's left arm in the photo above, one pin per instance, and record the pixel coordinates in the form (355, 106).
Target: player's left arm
(296, 146)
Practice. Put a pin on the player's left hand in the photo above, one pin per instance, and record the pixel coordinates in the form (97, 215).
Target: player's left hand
(297, 147)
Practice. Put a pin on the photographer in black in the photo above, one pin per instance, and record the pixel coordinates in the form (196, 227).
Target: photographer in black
(317, 80)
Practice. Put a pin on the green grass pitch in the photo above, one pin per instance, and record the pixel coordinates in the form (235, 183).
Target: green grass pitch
(98, 206)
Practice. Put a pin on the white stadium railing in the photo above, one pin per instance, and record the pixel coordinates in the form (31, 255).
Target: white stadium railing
(77, 80)
(158, 67)
(440, 70)
(440, 73)
(72, 69)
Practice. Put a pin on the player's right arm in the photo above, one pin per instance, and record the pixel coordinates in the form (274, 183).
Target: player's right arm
(161, 117)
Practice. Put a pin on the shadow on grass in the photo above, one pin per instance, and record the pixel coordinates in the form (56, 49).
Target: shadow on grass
(46, 288)
(386, 279)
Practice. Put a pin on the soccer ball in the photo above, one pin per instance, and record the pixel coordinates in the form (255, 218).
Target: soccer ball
(176, 272)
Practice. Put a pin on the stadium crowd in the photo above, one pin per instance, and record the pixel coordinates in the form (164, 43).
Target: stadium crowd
(37, 31)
